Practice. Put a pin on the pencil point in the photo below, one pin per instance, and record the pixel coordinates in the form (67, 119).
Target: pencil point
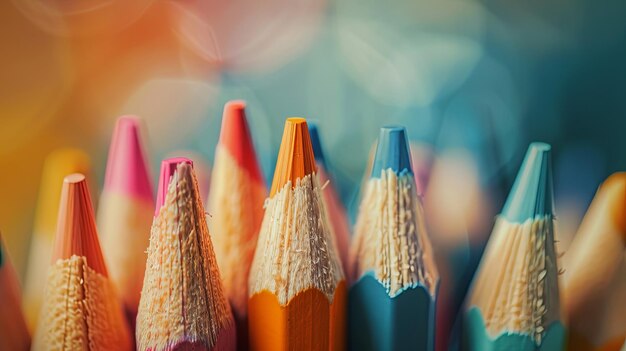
(392, 151)
(532, 194)
(236, 138)
(127, 169)
(76, 227)
(317, 145)
(197, 314)
(168, 168)
(58, 164)
(295, 158)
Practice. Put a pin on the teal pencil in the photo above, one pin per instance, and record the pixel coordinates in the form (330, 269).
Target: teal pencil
(392, 301)
(514, 301)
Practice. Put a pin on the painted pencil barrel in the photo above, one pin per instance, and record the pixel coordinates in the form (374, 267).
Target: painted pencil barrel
(476, 337)
(382, 322)
(308, 322)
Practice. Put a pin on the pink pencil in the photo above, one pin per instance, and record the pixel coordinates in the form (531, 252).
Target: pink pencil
(125, 212)
(183, 305)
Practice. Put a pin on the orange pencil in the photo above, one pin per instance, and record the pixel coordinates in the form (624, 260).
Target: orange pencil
(595, 272)
(236, 208)
(183, 305)
(57, 165)
(13, 331)
(297, 287)
(80, 308)
(125, 212)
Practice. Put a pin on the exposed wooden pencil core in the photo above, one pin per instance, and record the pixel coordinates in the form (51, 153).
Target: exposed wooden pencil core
(295, 158)
(76, 226)
(182, 300)
(517, 287)
(594, 287)
(80, 311)
(236, 204)
(295, 250)
(390, 238)
(337, 218)
(125, 229)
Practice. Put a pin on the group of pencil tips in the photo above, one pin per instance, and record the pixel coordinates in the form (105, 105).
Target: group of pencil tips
(283, 269)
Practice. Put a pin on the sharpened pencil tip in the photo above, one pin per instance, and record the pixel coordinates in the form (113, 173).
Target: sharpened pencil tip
(392, 151)
(235, 136)
(295, 158)
(76, 225)
(532, 194)
(127, 169)
(168, 168)
(58, 164)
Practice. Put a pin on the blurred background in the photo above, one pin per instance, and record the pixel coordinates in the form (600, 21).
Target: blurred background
(473, 81)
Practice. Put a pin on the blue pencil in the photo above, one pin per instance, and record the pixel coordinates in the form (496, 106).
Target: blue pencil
(392, 300)
(514, 301)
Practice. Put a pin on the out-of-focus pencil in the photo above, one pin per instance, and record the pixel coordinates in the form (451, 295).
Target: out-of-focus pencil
(14, 334)
(392, 300)
(57, 165)
(183, 305)
(514, 300)
(236, 208)
(125, 212)
(335, 211)
(594, 289)
(81, 310)
(297, 287)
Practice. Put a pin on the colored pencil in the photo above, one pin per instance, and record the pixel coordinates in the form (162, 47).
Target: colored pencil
(392, 301)
(81, 310)
(125, 212)
(236, 209)
(297, 287)
(336, 213)
(14, 333)
(183, 305)
(201, 168)
(594, 282)
(58, 164)
(514, 301)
